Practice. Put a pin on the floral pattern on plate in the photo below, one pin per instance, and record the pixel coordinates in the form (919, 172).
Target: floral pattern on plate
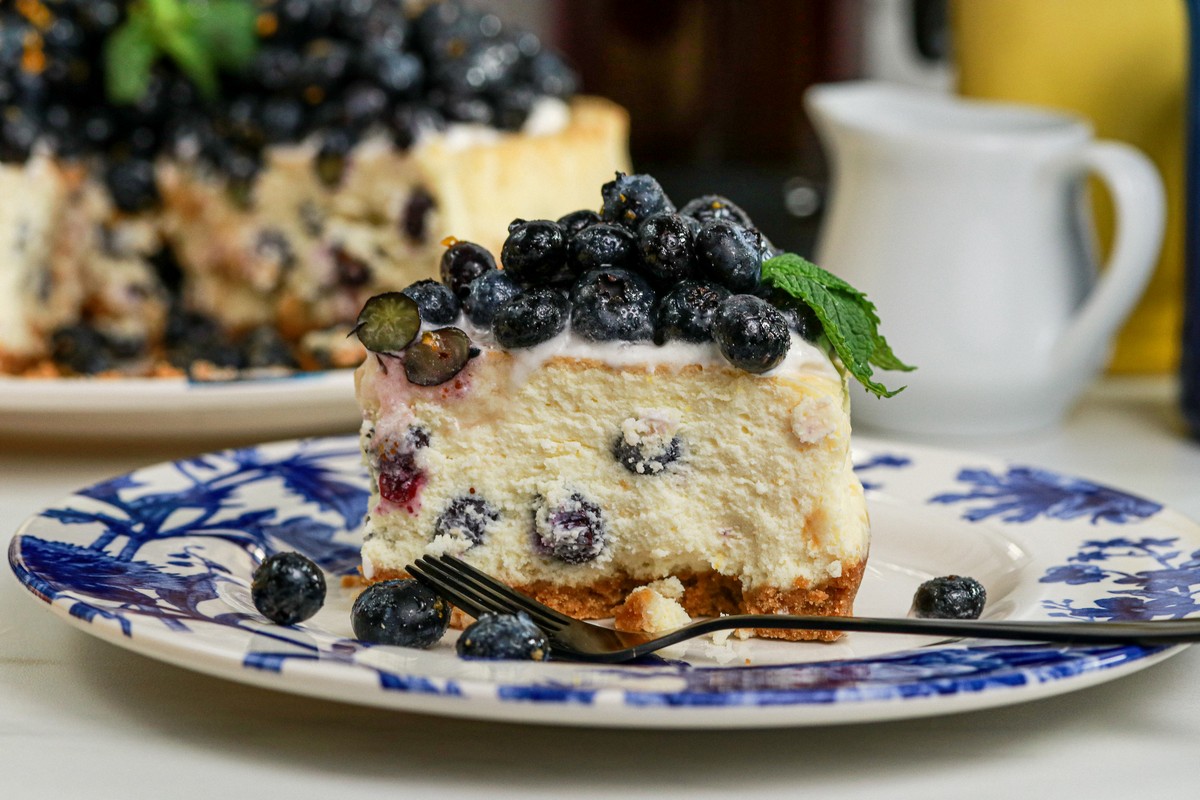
(159, 561)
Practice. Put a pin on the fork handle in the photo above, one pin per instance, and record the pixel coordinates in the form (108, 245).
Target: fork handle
(1149, 632)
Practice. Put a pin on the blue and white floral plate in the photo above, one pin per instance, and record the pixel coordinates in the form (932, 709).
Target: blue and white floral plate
(159, 562)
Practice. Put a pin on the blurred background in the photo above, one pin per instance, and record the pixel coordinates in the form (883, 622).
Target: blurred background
(714, 88)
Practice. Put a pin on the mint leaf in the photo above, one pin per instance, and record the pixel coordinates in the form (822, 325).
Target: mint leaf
(849, 319)
(200, 36)
(129, 56)
(227, 30)
(193, 60)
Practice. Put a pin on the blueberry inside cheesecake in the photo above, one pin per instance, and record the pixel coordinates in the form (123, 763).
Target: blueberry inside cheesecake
(225, 182)
(623, 397)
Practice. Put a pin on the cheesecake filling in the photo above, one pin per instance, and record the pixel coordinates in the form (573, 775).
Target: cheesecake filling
(573, 462)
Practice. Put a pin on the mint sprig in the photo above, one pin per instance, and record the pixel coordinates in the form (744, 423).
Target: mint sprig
(200, 36)
(849, 319)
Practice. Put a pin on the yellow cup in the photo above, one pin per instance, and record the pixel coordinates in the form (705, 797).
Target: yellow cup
(1123, 65)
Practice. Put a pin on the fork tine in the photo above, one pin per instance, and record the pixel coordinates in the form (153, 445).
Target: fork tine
(483, 579)
(490, 592)
(447, 590)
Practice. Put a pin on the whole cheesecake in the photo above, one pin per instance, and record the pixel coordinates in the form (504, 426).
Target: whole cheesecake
(605, 426)
(243, 227)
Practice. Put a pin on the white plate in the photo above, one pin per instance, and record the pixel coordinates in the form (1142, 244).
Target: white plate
(156, 408)
(159, 562)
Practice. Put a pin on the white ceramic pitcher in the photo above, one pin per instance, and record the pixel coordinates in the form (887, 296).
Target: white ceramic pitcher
(967, 224)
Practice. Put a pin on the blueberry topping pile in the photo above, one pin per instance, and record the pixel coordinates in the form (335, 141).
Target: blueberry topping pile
(287, 588)
(400, 612)
(511, 637)
(467, 516)
(343, 69)
(949, 597)
(636, 271)
(573, 531)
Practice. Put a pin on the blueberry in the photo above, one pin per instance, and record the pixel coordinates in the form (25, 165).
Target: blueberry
(550, 75)
(729, 254)
(714, 206)
(534, 252)
(687, 312)
(265, 347)
(574, 531)
(949, 597)
(388, 323)
(462, 263)
(630, 199)
(437, 356)
(612, 304)
(435, 301)
(800, 317)
(643, 459)
(400, 612)
(576, 221)
(350, 270)
(665, 243)
(602, 245)
(414, 221)
(412, 122)
(131, 184)
(751, 333)
(511, 637)
(81, 349)
(486, 294)
(288, 588)
(467, 516)
(531, 318)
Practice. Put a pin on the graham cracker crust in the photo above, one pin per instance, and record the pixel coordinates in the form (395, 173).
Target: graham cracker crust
(706, 594)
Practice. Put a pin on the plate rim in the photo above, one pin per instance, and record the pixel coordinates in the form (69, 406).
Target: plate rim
(312, 678)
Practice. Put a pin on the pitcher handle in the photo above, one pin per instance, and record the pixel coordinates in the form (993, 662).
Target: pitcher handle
(1138, 197)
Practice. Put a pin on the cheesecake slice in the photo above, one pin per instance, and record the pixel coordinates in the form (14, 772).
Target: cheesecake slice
(602, 427)
(577, 472)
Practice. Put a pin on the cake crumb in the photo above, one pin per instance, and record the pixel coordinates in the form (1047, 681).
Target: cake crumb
(645, 610)
(811, 420)
(669, 587)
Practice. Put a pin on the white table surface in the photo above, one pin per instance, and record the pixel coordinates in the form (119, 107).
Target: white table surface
(80, 718)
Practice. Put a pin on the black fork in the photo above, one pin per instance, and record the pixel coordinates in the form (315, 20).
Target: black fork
(478, 593)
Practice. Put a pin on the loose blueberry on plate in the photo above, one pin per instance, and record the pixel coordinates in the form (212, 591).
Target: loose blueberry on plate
(435, 301)
(531, 318)
(400, 612)
(511, 637)
(288, 588)
(388, 323)
(949, 597)
(751, 333)
(437, 356)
